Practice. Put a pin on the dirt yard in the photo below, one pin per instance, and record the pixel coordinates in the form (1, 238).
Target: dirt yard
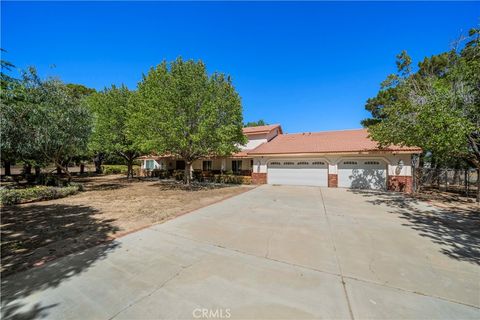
(110, 206)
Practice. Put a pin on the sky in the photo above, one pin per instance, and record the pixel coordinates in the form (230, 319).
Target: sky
(309, 66)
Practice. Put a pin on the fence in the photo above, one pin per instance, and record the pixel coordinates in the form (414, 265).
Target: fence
(453, 180)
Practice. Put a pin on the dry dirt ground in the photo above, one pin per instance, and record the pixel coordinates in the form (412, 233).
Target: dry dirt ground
(110, 206)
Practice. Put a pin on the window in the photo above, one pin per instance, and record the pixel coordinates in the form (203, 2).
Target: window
(149, 164)
(275, 163)
(318, 163)
(372, 162)
(288, 163)
(207, 165)
(236, 165)
(349, 162)
(302, 163)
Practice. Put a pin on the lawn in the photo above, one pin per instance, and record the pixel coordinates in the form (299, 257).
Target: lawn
(111, 206)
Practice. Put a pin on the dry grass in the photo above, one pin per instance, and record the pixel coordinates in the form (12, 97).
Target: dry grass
(111, 205)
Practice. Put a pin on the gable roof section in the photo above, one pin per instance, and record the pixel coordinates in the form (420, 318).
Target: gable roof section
(261, 129)
(325, 142)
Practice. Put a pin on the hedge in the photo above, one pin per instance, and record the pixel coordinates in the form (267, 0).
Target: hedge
(38, 193)
(119, 169)
(233, 179)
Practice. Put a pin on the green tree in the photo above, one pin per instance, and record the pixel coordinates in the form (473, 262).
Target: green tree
(112, 111)
(181, 110)
(436, 108)
(60, 124)
(258, 123)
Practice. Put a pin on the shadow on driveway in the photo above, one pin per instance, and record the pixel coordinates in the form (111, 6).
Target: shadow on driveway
(34, 234)
(456, 230)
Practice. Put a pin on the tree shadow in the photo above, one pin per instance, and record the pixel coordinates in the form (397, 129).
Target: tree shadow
(368, 179)
(457, 230)
(34, 236)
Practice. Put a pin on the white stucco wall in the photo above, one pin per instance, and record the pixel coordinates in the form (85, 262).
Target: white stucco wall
(393, 162)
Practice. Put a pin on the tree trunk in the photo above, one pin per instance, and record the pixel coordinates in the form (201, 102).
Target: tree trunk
(7, 165)
(27, 169)
(188, 173)
(82, 168)
(130, 168)
(59, 169)
(37, 171)
(478, 184)
(98, 161)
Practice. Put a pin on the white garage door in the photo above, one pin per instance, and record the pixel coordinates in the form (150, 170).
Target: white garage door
(298, 172)
(362, 174)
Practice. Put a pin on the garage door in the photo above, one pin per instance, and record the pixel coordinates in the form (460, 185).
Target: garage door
(298, 172)
(362, 174)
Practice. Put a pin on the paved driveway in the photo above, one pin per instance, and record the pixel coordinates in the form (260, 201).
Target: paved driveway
(273, 252)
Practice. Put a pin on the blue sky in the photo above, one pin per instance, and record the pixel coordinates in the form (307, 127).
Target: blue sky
(309, 66)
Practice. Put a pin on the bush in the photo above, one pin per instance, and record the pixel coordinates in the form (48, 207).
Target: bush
(179, 174)
(160, 173)
(232, 179)
(38, 193)
(119, 169)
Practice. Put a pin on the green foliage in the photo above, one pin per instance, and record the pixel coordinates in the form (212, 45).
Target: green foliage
(79, 91)
(180, 110)
(41, 122)
(112, 111)
(258, 123)
(436, 108)
(38, 193)
(232, 179)
(119, 169)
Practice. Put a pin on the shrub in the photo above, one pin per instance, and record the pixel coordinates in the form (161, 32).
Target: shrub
(159, 173)
(119, 169)
(232, 179)
(178, 174)
(38, 193)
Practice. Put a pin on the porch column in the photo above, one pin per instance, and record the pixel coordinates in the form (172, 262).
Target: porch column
(224, 165)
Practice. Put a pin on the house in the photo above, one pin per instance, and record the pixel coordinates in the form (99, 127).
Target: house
(345, 159)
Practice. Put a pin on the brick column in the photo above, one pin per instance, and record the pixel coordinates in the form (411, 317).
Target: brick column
(332, 180)
(259, 178)
(400, 183)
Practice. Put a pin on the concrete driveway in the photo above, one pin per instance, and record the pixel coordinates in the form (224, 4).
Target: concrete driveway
(273, 252)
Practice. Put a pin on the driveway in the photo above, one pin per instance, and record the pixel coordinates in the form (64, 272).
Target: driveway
(273, 252)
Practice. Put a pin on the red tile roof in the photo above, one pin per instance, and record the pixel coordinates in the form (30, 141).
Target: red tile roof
(325, 142)
(261, 129)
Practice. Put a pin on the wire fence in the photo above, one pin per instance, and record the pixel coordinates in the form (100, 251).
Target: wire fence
(461, 181)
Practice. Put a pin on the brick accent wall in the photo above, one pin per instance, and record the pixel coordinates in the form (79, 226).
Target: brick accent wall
(400, 183)
(332, 180)
(259, 178)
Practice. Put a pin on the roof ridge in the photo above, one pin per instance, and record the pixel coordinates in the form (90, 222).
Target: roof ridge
(325, 131)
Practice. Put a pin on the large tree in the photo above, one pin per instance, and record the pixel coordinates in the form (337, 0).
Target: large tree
(437, 107)
(183, 111)
(42, 123)
(111, 111)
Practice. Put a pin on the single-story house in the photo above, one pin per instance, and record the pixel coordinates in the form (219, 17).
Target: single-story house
(345, 159)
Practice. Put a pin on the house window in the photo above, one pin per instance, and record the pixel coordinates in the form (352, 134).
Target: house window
(349, 162)
(372, 162)
(236, 165)
(275, 163)
(149, 165)
(288, 163)
(318, 163)
(302, 163)
(207, 165)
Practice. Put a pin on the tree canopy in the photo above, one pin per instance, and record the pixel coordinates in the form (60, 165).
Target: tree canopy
(436, 108)
(181, 110)
(112, 111)
(42, 122)
(258, 123)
